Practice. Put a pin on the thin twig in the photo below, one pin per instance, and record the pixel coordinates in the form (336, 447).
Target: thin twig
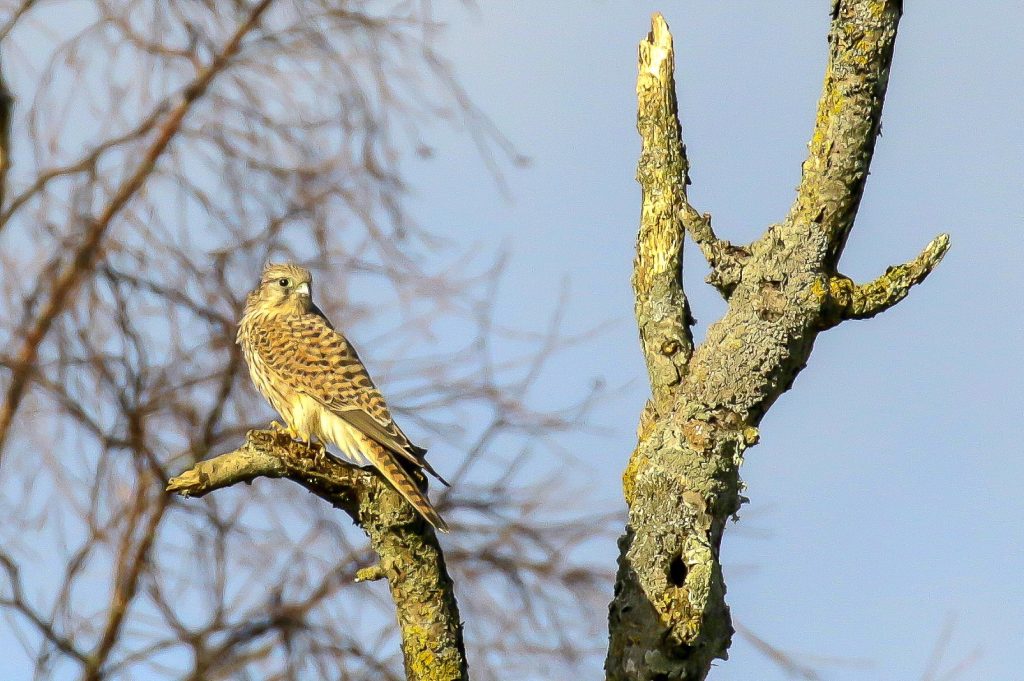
(83, 260)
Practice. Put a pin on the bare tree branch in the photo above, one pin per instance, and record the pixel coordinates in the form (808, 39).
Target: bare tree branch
(127, 583)
(725, 259)
(409, 554)
(863, 301)
(661, 307)
(848, 120)
(669, 619)
(83, 260)
(17, 602)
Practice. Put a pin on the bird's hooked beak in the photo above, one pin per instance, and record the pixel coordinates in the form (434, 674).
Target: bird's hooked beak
(303, 290)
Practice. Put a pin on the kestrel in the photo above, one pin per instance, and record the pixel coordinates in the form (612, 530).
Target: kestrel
(313, 377)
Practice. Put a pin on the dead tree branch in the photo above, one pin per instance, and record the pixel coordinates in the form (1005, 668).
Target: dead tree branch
(863, 301)
(410, 557)
(661, 307)
(669, 619)
(725, 259)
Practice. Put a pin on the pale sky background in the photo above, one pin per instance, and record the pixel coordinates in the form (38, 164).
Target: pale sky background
(885, 491)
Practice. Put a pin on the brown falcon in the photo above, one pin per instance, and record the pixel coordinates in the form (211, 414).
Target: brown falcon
(313, 377)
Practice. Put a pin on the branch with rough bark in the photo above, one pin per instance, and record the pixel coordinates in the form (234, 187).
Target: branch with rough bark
(410, 557)
(669, 619)
(661, 307)
(863, 301)
(726, 260)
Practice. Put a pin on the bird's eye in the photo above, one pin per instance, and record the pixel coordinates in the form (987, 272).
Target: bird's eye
(283, 283)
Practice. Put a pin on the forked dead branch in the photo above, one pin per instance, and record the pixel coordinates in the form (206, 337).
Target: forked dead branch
(669, 619)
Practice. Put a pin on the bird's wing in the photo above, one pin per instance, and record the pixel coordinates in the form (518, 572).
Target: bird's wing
(321, 363)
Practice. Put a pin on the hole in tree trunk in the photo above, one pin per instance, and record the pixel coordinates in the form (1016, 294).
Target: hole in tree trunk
(677, 571)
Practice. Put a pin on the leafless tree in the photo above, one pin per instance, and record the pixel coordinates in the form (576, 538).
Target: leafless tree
(161, 153)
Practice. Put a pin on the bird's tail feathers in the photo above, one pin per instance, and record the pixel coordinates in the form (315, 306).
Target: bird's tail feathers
(418, 456)
(430, 469)
(403, 481)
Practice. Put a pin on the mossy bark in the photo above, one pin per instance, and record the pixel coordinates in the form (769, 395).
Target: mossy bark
(410, 557)
(669, 619)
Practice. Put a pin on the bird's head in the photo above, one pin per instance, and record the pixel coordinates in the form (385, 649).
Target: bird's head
(283, 290)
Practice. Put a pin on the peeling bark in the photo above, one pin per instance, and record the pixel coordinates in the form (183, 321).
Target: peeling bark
(669, 619)
(410, 557)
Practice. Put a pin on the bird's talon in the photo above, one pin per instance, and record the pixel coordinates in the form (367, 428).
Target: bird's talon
(282, 429)
(317, 449)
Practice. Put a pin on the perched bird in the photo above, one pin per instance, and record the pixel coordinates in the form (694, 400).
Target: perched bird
(313, 377)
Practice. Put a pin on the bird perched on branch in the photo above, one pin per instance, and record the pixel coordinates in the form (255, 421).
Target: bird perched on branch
(313, 377)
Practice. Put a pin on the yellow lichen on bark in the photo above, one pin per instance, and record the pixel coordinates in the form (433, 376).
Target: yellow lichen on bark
(669, 619)
(841, 298)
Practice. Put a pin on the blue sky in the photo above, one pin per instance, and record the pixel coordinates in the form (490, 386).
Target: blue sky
(885, 491)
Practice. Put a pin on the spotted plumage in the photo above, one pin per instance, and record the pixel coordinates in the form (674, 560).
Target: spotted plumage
(313, 377)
